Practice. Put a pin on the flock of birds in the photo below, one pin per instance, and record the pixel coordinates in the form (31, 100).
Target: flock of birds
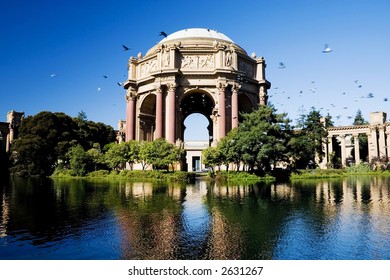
(125, 48)
(327, 49)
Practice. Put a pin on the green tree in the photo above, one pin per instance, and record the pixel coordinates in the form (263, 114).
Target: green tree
(262, 138)
(133, 150)
(228, 151)
(159, 153)
(306, 143)
(96, 157)
(78, 160)
(210, 158)
(45, 139)
(117, 156)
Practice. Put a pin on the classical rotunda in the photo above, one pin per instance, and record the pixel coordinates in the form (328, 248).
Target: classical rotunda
(194, 70)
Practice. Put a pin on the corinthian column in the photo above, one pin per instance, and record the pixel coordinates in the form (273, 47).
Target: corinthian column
(382, 141)
(171, 116)
(130, 114)
(263, 95)
(221, 110)
(159, 114)
(357, 151)
(388, 141)
(235, 89)
(343, 151)
(374, 143)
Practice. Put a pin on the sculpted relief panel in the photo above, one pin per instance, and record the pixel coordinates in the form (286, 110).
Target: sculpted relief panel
(197, 62)
(246, 67)
(147, 67)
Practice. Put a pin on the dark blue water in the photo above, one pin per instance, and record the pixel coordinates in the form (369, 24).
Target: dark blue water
(345, 219)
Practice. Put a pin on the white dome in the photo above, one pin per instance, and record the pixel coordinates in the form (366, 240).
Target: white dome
(197, 33)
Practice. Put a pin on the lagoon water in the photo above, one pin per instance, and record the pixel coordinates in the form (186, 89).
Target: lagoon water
(332, 219)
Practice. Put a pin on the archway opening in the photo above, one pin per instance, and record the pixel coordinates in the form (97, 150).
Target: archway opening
(196, 108)
(196, 128)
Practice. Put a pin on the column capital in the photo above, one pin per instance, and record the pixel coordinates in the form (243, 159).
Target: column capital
(236, 87)
(130, 94)
(221, 86)
(172, 86)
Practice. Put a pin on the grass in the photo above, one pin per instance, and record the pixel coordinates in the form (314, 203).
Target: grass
(132, 175)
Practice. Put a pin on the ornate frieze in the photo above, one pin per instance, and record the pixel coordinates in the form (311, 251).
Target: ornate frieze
(197, 61)
(246, 67)
(147, 67)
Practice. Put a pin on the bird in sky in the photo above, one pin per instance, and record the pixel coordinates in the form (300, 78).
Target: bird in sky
(125, 48)
(385, 99)
(119, 84)
(370, 95)
(281, 65)
(326, 49)
(162, 33)
(53, 75)
(105, 77)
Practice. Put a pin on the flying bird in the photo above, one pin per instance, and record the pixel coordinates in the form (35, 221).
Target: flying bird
(370, 95)
(326, 49)
(281, 65)
(125, 48)
(53, 75)
(119, 84)
(385, 99)
(105, 77)
(162, 33)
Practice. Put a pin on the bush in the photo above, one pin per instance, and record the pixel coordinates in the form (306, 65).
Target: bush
(98, 173)
(358, 168)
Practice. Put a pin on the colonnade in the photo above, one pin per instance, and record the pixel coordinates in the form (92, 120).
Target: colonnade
(378, 135)
(166, 111)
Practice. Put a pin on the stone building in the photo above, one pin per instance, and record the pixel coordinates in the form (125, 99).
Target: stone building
(378, 135)
(190, 71)
(9, 129)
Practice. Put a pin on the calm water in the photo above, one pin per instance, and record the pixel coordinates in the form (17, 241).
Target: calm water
(320, 219)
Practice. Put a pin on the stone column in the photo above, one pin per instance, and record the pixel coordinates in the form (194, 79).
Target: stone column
(343, 151)
(170, 113)
(263, 95)
(235, 106)
(8, 142)
(357, 152)
(382, 141)
(159, 114)
(130, 114)
(388, 141)
(330, 147)
(374, 143)
(221, 111)
(214, 118)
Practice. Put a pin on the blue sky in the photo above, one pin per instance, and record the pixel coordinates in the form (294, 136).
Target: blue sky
(80, 41)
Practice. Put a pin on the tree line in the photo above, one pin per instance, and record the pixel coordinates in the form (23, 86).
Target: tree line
(49, 142)
(264, 138)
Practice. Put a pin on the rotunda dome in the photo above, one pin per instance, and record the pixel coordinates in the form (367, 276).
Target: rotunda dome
(193, 33)
(199, 37)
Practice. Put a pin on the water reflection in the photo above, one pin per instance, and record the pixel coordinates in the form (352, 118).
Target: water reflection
(75, 219)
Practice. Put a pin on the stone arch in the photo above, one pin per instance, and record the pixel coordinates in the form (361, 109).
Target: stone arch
(196, 101)
(147, 117)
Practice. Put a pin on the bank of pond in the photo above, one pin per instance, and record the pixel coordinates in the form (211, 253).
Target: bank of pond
(223, 176)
